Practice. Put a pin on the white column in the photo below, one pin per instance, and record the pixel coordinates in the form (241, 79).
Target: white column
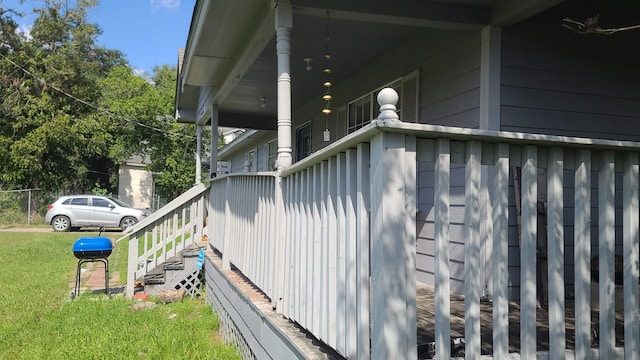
(214, 142)
(198, 154)
(284, 23)
(490, 77)
(490, 63)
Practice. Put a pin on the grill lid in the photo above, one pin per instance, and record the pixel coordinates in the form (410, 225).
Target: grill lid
(92, 247)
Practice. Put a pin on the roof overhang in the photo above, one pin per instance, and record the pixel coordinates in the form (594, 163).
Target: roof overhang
(230, 58)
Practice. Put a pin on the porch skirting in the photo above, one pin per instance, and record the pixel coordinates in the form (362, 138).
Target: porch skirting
(248, 320)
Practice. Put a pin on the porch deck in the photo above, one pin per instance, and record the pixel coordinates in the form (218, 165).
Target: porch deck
(425, 300)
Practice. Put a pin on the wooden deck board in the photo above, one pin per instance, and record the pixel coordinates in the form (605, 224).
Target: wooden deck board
(425, 300)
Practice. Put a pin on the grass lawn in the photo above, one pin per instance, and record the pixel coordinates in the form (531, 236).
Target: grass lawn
(38, 319)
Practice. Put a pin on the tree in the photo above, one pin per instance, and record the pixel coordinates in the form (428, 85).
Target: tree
(72, 111)
(48, 126)
(173, 152)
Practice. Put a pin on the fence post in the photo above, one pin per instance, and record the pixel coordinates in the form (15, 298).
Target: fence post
(29, 209)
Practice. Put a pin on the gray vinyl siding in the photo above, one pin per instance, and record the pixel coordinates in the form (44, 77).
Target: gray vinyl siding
(449, 76)
(449, 95)
(237, 163)
(450, 88)
(425, 226)
(556, 82)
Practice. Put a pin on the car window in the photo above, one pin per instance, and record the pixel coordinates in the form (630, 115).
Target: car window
(79, 201)
(67, 202)
(100, 202)
(123, 204)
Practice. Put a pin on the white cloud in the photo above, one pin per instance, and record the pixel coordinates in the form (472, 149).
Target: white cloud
(165, 4)
(139, 72)
(25, 30)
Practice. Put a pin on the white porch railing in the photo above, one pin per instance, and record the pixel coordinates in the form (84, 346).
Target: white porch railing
(165, 233)
(332, 239)
(243, 222)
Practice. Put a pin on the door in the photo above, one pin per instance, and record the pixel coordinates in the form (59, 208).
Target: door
(79, 211)
(104, 213)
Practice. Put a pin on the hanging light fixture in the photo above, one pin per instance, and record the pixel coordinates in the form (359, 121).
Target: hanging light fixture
(326, 110)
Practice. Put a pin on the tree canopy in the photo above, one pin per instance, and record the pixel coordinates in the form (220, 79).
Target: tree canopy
(72, 111)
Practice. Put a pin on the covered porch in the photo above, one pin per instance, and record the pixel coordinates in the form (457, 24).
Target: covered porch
(332, 241)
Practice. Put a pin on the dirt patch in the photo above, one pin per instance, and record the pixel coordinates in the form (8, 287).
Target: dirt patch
(25, 229)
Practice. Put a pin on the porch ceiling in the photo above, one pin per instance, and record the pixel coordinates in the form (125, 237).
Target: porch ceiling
(231, 46)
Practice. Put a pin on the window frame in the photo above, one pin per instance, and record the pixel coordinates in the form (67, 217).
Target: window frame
(298, 150)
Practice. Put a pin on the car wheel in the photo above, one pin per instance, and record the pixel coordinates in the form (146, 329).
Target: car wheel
(61, 223)
(127, 223)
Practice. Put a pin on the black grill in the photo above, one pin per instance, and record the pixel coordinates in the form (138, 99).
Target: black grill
(92, 249)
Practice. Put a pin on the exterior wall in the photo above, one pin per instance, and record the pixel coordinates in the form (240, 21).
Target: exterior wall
(135, 186)
(450, 87)
(449, 78)
(557, 82)
(552, 82)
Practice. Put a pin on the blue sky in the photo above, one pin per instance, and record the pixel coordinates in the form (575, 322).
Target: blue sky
(148, 32)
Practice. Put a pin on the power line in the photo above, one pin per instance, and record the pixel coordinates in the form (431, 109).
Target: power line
(44, 82)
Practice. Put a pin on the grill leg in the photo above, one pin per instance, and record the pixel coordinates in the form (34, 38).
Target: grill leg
(76, 289)
(106, 275)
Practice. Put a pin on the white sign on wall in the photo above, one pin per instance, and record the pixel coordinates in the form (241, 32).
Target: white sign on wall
(223, 167)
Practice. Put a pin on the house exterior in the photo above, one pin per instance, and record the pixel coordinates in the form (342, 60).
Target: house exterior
(503, 151)
(135, 182)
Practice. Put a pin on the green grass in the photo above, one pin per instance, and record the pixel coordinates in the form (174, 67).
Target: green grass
(38, 319)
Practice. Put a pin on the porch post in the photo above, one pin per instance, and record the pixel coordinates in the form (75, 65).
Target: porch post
(213, 168)
(393, 241)
(199, 154)
(490, 68)
(284, 23)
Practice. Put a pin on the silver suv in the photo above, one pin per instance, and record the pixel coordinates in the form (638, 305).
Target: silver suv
(73, 212)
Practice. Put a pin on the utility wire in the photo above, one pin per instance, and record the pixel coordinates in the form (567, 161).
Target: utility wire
(44, 82)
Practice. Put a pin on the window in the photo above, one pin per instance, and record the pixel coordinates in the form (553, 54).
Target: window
(80, 201)
(251, 161)
(101, 202)
(272, 154)
(303, 141)
(361, 111)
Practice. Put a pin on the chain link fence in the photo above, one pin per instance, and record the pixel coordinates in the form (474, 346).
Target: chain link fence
(28, 207)
(20, 207)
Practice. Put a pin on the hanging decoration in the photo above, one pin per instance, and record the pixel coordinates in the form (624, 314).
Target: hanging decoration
(326, 110)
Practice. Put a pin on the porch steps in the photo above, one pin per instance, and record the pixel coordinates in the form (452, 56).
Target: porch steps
(177, 273)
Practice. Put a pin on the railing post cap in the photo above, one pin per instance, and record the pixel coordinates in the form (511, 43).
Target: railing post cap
(387, 96)
(387, 99)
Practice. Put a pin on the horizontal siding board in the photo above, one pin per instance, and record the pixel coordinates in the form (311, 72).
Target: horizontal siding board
(552, 100)
(555, 60)
(570, 123)
(451, 88)
(585, 84)
(441, 111)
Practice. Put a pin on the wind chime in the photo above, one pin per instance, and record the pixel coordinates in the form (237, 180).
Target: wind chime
(326, 110)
